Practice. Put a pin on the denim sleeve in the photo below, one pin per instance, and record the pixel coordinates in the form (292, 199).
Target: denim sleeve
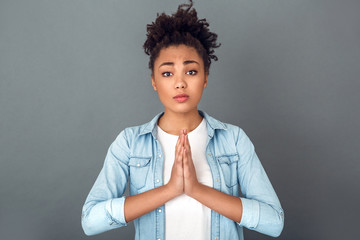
(104, 206)
(262, 211)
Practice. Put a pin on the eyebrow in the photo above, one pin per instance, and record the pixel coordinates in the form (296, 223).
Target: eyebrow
(172, 64)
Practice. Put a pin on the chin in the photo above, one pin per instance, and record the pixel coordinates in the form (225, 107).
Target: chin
(183, 109)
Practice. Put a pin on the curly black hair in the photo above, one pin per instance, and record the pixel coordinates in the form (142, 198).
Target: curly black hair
(182, 27)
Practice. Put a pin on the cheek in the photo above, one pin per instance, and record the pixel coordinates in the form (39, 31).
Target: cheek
(198, 91)
(199, 86)
(163, 92)
(162, 89)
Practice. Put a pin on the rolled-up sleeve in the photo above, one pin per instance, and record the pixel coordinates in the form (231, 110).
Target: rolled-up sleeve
(104, 206)
(262, 210)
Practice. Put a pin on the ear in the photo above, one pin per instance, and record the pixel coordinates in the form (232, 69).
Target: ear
(206, 79)
(153, 82)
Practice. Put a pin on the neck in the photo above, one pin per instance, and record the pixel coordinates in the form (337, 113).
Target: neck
(172, 122)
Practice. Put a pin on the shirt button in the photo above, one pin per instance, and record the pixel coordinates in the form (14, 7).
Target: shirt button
(160, 210)
(159, 155)
(157, 180)
(158, 239)
(138, 165)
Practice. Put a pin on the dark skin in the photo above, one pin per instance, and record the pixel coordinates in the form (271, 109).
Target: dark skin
(183, 181)
(183, 72)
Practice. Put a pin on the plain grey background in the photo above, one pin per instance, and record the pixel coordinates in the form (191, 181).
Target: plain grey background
(73, 75)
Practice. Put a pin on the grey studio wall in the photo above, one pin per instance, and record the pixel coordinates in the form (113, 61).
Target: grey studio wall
(73, 75)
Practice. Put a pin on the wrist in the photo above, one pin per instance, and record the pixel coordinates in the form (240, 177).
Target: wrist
(171, 191)
(194, 190)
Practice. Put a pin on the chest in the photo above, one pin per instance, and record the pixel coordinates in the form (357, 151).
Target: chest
(216, 158)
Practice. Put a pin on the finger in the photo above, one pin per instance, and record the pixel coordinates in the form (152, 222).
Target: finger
(187, 165)
(185, 137)
(180, 163)
(182, 138)
(185, 158)
(180, 160)
(187, 144)
(177, 146)
(186, 140)
(177, 150)
(179, 138)
(179, 155)
(190, 162)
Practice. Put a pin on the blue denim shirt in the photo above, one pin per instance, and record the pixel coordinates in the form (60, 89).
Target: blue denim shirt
(136, 156)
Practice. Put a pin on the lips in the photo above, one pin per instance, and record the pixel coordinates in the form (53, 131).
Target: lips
(181, 97)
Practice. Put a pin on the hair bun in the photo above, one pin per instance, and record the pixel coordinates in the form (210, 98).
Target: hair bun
(182, 27)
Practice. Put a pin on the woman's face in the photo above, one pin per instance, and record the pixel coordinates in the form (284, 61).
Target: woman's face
(179, 78)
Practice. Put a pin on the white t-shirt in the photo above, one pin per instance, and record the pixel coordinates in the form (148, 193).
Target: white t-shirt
(186, 218)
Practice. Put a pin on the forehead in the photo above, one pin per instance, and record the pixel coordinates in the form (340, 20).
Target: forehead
(178, 53)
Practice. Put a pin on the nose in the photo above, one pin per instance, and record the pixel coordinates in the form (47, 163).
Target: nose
(180, 83)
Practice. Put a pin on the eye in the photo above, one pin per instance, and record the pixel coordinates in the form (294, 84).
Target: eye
(192, 72)
(166, 74)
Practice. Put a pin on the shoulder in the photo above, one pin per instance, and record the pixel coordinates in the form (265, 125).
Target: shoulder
(234, 132)
(241, 138)
(130, 134)
(237, 132)
(140, 132)
(234, 141)
(224, 128)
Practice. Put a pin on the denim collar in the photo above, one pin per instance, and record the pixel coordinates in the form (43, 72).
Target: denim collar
(211, 122)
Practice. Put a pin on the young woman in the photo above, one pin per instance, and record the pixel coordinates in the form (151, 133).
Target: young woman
(185, 168)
